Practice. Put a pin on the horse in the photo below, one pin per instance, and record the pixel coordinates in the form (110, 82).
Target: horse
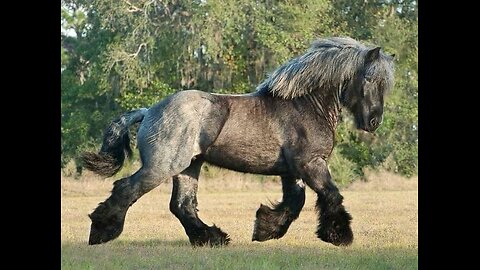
(285, 128)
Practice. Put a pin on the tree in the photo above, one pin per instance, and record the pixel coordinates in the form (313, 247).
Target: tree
(393, 24)
(126, 54)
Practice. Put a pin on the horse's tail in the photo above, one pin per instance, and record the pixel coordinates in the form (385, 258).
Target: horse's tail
(116, 144)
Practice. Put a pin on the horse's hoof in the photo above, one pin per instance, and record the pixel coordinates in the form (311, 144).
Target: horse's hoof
(101, 233)
(104, 229)
(338, 237)
(211, 236)
(336, 229)
(217, 237)
(270, 224)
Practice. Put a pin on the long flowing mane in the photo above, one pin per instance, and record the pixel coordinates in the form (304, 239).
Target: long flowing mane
(326, 64)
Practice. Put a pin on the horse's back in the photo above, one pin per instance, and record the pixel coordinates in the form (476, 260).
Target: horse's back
(180, 127)
(238, 132)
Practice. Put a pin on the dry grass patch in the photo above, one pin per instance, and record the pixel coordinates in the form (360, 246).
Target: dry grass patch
(385, 226)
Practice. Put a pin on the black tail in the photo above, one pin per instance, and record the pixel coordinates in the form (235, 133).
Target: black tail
(116, 143)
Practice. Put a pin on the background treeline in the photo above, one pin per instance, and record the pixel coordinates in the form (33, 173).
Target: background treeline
(117, 55)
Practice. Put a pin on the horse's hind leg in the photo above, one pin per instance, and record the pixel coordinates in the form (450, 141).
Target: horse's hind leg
(183, 205)
(274, 223)
(109, 217)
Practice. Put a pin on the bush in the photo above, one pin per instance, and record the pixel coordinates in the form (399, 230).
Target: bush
(343, 171)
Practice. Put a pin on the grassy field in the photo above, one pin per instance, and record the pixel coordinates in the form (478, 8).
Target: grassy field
(385, 226)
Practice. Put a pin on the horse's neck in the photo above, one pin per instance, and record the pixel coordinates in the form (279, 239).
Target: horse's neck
(326, 104)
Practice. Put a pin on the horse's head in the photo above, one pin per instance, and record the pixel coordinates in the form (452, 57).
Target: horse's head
(365, 92)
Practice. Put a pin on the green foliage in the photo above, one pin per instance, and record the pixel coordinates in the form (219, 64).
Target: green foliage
(393, 25)
(123, 55)
(144, 99)
(399, 35)
(343, 170)
(355, 151)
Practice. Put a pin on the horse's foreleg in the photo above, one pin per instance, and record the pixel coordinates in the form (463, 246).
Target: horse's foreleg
(109, 217)
(183, 205)
(334, 220)
(274, 223)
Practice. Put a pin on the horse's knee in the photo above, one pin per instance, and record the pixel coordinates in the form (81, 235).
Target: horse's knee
(182, 206)
(176, 209)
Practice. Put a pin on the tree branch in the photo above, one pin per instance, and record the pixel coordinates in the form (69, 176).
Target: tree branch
(132, 7)
(133, 55)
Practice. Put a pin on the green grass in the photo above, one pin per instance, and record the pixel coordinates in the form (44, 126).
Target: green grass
(385, 226)
(179, 255)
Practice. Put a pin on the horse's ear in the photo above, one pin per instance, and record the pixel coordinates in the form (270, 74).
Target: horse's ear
(373, 54)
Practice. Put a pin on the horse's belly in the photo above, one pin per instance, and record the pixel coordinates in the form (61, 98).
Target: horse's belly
(254, 158)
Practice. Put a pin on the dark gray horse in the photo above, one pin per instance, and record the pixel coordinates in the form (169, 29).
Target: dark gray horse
(285, 128)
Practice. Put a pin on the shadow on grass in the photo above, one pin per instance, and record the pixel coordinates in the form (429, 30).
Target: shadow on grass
(155, 243)
(179, 254)
(129, 243)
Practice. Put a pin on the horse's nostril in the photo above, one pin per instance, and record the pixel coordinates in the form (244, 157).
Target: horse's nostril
(373, 122)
